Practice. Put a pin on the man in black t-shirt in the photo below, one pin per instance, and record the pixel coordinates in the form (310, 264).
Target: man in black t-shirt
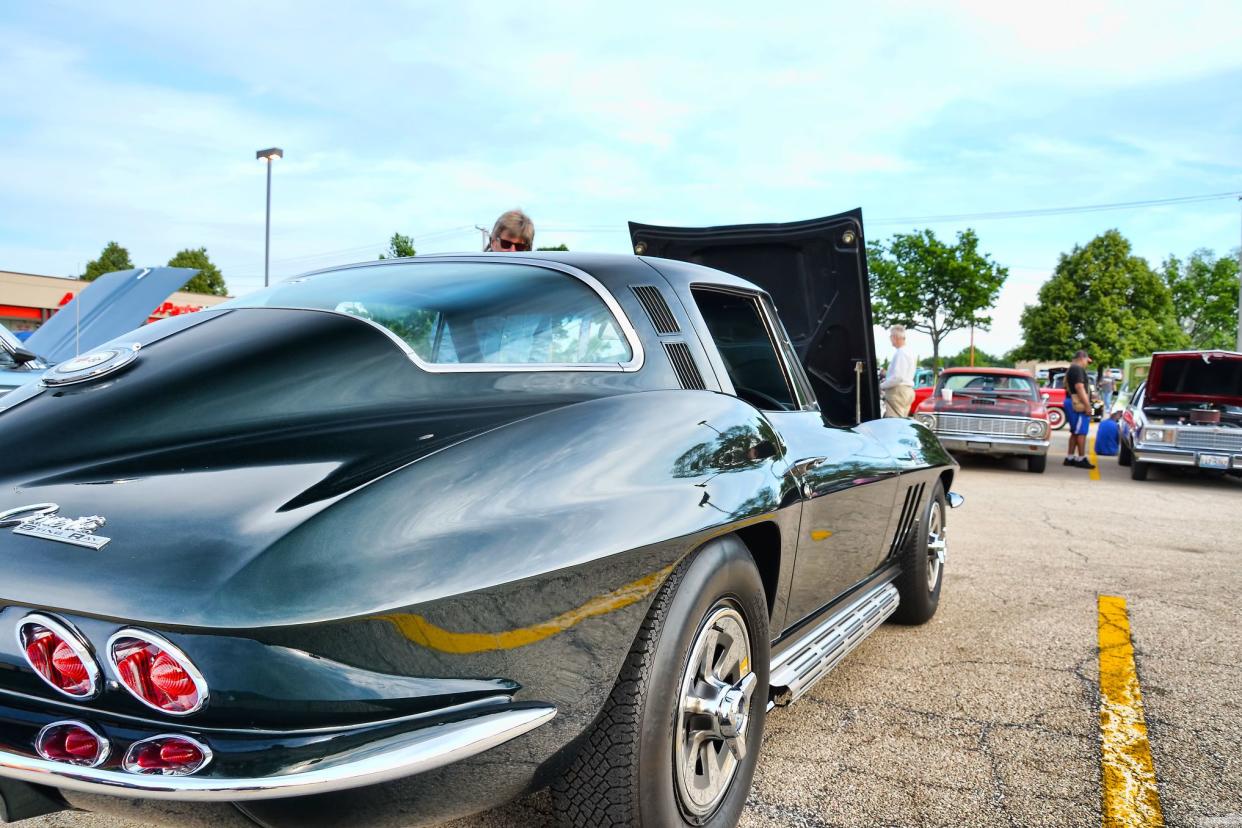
(1079, 421)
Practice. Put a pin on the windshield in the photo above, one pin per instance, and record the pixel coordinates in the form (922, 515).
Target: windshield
(467, 313)
(8, 346)
(990, 384)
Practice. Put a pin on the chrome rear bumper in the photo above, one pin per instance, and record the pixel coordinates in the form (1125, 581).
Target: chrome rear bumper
(382, 761)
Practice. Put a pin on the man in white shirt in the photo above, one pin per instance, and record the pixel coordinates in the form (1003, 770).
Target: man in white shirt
(898, 386)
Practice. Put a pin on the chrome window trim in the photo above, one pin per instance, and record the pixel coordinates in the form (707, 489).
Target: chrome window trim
(130, 766)
(105, 747)
(200, 683)
(637, 353)
(76, 641)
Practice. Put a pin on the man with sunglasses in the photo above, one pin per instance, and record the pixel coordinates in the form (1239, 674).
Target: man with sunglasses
(513, 231)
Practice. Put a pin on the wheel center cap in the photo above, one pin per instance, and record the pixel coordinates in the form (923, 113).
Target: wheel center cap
(731, 713)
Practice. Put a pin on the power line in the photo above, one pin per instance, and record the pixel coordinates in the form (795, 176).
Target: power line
(1056, 211)
(896, 220)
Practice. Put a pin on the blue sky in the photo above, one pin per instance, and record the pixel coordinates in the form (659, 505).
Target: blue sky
(138, 122)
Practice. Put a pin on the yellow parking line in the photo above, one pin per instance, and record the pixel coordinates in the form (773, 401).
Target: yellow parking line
(1130, 796)
(1095, 461)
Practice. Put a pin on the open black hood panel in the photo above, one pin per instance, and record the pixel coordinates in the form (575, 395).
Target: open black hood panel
(816, 273)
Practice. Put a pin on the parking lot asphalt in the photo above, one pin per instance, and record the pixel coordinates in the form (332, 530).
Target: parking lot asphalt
(989, 715)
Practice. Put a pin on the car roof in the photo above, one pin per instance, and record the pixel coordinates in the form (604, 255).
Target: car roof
(616, 271)
(1003, 372)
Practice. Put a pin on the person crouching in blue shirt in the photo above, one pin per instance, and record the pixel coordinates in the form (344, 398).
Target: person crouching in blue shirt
(1107, 435)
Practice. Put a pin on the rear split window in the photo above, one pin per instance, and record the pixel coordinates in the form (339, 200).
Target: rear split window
(468, 313)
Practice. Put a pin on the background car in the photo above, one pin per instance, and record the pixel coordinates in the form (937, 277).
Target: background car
(107, 307)
(994, 411)
(1187, 414)
(402, 540)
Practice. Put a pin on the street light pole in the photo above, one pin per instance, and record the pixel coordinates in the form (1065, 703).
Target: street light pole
(1240, 290)
(268, 155)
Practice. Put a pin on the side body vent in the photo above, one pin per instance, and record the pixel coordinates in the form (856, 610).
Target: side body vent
(909, 515)
(683, 363)
(657, 309)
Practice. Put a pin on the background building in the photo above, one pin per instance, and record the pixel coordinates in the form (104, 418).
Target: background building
(27, 300)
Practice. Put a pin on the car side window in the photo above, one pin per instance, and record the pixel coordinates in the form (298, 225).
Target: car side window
(745, 343)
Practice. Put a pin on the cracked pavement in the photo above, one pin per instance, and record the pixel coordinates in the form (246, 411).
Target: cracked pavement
(988, 715)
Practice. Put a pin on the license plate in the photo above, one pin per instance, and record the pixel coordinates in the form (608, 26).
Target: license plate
(1214, 461)
(979, 446)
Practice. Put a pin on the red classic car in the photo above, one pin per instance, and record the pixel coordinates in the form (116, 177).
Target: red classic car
(995, 411)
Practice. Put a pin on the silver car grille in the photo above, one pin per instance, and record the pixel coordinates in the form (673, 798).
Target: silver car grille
(1210, 439)
(991, 426)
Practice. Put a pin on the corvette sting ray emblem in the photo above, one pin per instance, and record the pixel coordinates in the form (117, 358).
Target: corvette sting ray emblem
(39, 521)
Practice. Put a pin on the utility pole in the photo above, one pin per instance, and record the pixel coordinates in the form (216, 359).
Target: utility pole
(1240, 290)
(486, 235)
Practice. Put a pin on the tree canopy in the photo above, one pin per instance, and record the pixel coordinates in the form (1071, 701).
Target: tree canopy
(1205, 298)
(1102, 298)
(932, 286)
(962, 360)
(209, 279)
(399, 247)
(113, 257)
(563, 248)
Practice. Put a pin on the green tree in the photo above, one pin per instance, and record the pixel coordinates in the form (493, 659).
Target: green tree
(562, 248)
(1205, 298)
(113, 257)
(1102, 298)
(962, 360)
(399, 247)
(209, 279)
(931, 286)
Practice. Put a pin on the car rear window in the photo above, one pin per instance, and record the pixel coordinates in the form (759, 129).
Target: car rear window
(990, 384)
(468, 313)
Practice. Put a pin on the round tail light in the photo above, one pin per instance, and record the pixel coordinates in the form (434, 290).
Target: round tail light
(59, 655)
(72, 742)
(157, 673)
(167, 755)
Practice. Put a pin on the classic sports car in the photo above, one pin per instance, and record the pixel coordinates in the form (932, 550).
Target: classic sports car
(1188, 413)
(107, 307)
(389, 543)
(996, 411)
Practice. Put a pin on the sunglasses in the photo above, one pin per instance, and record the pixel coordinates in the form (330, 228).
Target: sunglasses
(505, 244)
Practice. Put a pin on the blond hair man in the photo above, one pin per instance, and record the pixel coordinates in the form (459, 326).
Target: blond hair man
(898, 386)
(512, 231)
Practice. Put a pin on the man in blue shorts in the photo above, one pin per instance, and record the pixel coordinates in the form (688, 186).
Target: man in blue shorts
(1079, 422)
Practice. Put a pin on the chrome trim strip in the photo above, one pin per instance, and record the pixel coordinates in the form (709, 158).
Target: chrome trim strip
(105, 747)
(183, 661)
(486, 701)
(821, 648)
(130, 766)
(637, 353)
(76, 641)
(393, 758)
(960, 440)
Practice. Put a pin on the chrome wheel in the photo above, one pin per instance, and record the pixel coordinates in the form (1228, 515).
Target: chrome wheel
(713, 711)
(936, 550)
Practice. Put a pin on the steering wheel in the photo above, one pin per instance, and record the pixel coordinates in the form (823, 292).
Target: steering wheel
(761, 400)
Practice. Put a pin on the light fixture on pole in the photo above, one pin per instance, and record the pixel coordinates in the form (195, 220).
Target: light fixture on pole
(268, 156)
